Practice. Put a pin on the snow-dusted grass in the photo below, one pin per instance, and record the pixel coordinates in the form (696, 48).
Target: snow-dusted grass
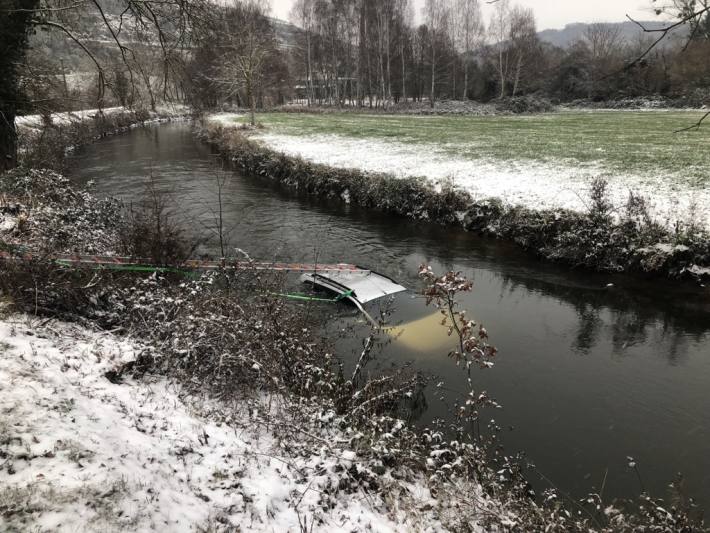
(80, 453)
(538, 161)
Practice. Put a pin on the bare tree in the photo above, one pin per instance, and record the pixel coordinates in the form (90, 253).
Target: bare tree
(437, 16)
(302, 14)
(500, 30)
(603, 40)
(522, 41)
(514, 33)
(246, 41)
(470, 29)
(404, 12)
(384, 19)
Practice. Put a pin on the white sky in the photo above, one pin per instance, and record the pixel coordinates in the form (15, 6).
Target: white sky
(549, 13)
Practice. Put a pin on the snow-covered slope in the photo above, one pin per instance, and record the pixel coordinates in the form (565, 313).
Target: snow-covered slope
(81, 453)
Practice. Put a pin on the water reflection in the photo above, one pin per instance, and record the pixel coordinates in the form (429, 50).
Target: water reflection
(628, 316)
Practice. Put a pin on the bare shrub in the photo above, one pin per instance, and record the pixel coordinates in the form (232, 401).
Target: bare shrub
(524, 104)
(41, 287)
(152, 232)
(45, 148)
(473, 349)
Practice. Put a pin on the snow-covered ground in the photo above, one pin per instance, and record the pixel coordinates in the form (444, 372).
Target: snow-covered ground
(530, 184)
(35, 121)
(69, 117)
(81, 453)
(225, 119)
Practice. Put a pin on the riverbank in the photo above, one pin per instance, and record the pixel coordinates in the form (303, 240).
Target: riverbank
(351, 459)
(43, 141)
(599, 238)
(542, 161)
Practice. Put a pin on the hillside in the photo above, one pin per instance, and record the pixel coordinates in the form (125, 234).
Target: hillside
(573, 32)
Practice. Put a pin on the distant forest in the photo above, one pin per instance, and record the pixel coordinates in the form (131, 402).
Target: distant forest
(372, 53)
(370, 50)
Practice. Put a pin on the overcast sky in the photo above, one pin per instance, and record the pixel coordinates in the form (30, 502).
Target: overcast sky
(549, 13)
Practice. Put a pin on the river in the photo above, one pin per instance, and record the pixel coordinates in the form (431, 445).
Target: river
(592, 368)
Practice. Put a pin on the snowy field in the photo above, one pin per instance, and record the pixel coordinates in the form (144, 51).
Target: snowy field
(79, 452)
(540, 161)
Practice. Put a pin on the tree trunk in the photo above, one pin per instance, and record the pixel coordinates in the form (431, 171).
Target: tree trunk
(404, 76)
(501, 72)
(433, 77)
(382, 74)
(518, 68)
(309, 86)
(8, 141)
(146, 80)
(389, 66)
(465, 79)
(14, 26)
(335, 72)
(252, 101)
(64, 79)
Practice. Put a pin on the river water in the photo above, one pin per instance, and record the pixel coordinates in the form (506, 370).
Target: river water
(587, 373)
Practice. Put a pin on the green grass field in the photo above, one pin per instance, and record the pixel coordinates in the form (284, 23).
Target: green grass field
(635, 142)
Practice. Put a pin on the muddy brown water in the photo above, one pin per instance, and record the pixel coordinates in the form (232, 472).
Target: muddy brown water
(587, 373)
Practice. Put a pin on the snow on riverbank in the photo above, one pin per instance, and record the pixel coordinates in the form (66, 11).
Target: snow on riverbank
(78, 452)
(35, 121)
(530, 184)
(70, 117)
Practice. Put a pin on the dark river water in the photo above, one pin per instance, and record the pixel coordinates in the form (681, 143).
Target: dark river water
(587, 374)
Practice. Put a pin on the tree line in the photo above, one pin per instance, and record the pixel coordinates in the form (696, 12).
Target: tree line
(373, 53)
(377, 53)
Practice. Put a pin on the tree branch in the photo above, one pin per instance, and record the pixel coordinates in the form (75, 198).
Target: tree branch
(664, 33)
(695, 126)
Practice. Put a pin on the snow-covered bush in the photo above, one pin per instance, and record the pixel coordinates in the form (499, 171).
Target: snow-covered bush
(150, 231)
(43, 211)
